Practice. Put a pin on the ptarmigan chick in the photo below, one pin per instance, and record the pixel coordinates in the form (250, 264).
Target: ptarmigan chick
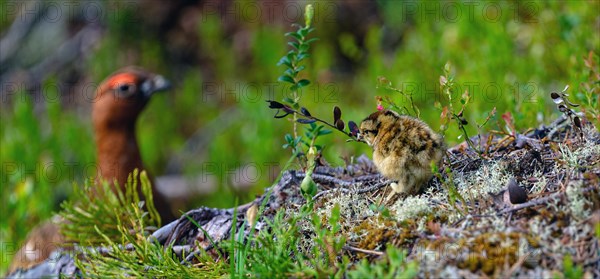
(403, 148)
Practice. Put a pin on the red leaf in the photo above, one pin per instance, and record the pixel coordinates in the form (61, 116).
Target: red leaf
(508, 119)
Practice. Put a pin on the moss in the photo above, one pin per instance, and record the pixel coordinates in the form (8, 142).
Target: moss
(490, 252)
(376, 232)
(533, 241)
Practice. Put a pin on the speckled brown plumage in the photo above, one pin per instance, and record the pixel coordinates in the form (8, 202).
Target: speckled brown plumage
(403, 148)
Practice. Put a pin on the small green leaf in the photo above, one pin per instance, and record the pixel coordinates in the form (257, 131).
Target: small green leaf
(335, 215)
(324, 132)
(311, 40)
(302, 56)
(289, 100)
(317, 129)
(303, 82)
(303, 32)
(291, 55)
(303, 47)
(288, 138)
(385, 213)
(290, 72)
(294, 45)
(295, 35)
(286, 78)
(285, 61)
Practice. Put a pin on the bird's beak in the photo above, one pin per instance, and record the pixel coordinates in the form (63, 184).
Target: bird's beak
(155, 84)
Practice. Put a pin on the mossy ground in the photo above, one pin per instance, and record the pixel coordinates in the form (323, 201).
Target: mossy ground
(484, 236)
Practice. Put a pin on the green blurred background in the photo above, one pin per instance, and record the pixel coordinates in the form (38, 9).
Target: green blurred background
(221, 57)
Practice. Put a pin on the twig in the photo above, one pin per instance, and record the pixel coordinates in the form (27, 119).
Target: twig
(370, 252)
(322, 193)
(362, 191)
(518, 264)
(367, 177)
(327, 179)
(560, 123)
(374, 187)
(542, 200)
(288, 110)
(197, 252)
(345, 184)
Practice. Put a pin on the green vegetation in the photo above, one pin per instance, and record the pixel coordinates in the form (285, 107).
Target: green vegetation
(510, 62)
(91, 219)
(125, 251)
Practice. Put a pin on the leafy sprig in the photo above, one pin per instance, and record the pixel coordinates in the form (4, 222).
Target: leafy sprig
(307, 118)
(384, 83)
(449, 112)
(300, 44)
(590, 89)
(565, 106)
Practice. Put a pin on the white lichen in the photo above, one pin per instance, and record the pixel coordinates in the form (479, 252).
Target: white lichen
(577, 201)
(488, 179)
(412, 207)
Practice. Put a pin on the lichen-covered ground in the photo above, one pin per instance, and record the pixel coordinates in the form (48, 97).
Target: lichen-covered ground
(477, 230)
(529, 206)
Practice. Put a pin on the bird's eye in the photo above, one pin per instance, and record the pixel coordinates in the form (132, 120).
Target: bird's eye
(124, 87)
(125, 90)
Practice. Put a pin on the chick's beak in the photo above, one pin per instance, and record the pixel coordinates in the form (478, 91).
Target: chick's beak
(155, 84)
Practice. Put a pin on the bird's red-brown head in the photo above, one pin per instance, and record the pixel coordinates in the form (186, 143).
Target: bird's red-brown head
(122, 96)
(119, 101)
